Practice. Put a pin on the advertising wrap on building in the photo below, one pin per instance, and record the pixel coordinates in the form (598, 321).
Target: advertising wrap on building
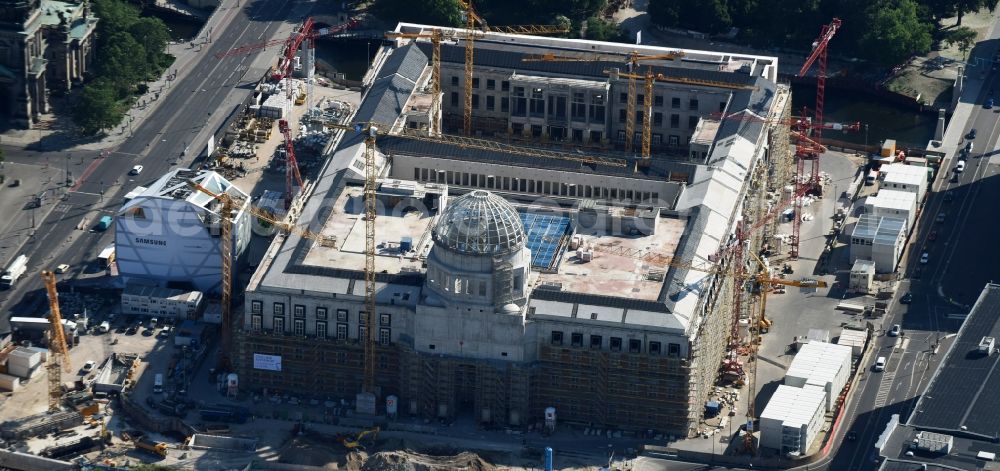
(266, 362)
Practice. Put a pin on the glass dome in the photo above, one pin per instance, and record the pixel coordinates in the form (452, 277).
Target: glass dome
(480, 223)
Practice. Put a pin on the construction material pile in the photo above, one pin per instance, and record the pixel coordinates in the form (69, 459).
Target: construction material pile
(410, 461)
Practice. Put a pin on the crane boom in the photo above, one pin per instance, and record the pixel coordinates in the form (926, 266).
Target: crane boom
(248, 48)
(59, 355)
(486, 144)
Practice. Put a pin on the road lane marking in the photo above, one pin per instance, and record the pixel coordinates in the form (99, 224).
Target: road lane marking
(884, 388)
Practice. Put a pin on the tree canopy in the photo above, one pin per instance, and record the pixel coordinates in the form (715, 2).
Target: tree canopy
(886, 32)
(894, 31)
(129, 51)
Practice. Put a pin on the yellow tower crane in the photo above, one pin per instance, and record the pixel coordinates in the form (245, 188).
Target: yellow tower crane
(226, 248)
(634, 60)
(436, 36)
(475, 25)
(58, 355)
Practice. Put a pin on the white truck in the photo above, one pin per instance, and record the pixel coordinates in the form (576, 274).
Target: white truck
(14, 271)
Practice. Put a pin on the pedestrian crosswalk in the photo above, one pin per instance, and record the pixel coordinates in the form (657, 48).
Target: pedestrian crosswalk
(884, 388)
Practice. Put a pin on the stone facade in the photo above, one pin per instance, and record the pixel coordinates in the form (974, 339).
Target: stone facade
(45, 46)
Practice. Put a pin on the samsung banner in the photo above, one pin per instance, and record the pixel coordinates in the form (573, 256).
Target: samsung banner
(266, 362)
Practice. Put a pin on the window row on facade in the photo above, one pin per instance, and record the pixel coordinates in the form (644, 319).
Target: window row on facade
(321, 329)
(615, 344)
(525, 185)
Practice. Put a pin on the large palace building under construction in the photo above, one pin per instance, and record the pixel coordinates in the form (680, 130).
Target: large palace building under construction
(508, 280)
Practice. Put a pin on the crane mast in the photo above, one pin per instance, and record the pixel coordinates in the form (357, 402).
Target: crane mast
(370, 212)
(58, 354)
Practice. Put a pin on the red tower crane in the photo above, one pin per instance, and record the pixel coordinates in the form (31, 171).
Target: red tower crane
(291, 164)
(819, 49)
(300, 35)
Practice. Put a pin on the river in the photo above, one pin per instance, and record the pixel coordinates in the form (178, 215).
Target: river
(883, 120)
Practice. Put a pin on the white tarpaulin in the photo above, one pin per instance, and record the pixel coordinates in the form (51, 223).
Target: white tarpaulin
(266, 362)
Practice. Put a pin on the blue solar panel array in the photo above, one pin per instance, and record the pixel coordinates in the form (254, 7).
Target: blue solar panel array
(545, 232)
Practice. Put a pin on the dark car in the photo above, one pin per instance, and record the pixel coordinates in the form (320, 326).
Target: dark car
(132, 329)
(971, 135)
(932, 236)
(948, 197)
(906, 299)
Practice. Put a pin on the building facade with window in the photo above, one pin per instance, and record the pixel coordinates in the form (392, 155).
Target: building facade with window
(507, 282)
(45, 46)
(169, 233)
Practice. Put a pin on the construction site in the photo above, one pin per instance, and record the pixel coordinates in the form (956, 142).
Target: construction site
(507, 230)
(513, 228)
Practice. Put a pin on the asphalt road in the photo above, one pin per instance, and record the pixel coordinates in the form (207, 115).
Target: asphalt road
(961, 260)
(172, 135)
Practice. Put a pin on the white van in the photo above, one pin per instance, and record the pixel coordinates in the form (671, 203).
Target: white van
(158, 383)
(880, 364)
(104, 327)
(871, 178)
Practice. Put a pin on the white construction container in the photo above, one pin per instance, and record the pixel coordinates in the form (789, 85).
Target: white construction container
(822, 364)
(21, 356)
(792, 419)
(9, 383)
(854, 339)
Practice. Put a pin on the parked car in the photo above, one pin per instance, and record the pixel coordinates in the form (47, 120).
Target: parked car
(88, 366)
(924, 258)
(907, 298)
(971, 135)
(896, 330)
(135, 170)
(988, 104)
(62, 268)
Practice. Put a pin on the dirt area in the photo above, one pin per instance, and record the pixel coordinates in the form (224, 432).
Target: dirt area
(411, 461)
(929, 79)
(386, 455)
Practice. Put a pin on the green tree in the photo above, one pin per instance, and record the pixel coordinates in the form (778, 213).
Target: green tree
(122, 60)
(894, 32)
(599, 29)
(96, 108)
(708, 16)
(963, 36)
(152, 34)
(665, 13)
(431, 12)
(115, 15)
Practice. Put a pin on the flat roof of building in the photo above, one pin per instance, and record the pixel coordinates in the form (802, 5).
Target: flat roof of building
(904, 174)
(622, 266)
(894, 199)
(142, 289)
(884, 230)
(965, 389)
(793, 406)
